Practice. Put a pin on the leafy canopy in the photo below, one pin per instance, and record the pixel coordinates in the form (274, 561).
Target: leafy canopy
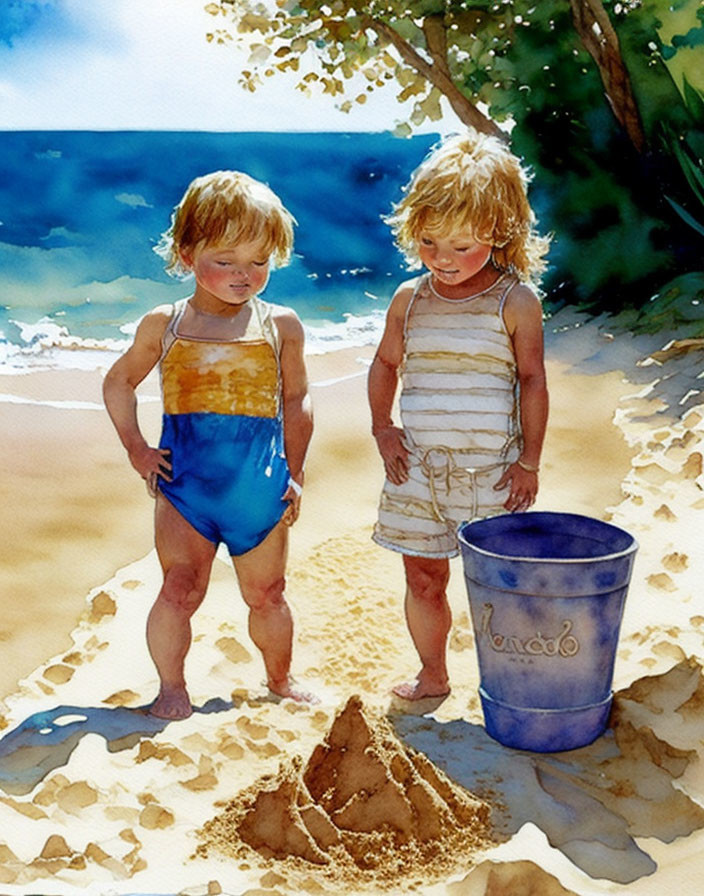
(625, 218)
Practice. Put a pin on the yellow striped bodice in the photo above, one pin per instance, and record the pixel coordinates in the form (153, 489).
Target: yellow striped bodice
(207, 375)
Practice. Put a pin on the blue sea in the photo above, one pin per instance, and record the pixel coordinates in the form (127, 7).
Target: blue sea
(80, 214)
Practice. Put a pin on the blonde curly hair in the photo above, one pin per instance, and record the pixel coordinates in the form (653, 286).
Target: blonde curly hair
(472, 184)
(226, 207)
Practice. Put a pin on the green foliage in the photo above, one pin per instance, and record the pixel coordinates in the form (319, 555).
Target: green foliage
(624, 221)
(677, 307)
(690, 166)
(693, 38)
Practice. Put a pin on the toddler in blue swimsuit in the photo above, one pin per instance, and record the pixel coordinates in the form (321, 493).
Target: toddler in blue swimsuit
(236, 426)
(223, 428)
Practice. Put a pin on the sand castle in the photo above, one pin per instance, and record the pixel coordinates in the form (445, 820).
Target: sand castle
(362, 803)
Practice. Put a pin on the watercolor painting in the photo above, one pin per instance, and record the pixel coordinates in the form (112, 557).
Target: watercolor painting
(108, 111)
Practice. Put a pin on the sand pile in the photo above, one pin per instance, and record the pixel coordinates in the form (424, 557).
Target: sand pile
(364, 803)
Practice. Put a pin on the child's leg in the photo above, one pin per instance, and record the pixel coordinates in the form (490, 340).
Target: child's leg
(261, 576)
(186, 558)
(429, 619)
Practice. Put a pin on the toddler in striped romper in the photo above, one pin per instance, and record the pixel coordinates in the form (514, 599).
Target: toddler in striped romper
(465, 341)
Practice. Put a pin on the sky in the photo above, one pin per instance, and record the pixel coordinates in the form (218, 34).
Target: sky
(146, 65)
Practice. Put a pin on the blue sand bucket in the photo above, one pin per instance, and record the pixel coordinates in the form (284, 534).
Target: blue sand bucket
(546, 593)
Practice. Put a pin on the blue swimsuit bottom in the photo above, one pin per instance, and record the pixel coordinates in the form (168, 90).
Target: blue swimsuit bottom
(229, 475)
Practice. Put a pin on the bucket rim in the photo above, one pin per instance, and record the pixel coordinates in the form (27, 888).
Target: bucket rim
(546, 710)
(615, 555)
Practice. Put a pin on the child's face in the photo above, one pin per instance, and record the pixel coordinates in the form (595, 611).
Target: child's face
(230, 273)
(452, 259)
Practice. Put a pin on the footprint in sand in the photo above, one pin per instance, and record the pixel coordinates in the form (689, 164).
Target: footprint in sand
(129, 836)
(196, 743)
(93, 644)
(101, 606)
(664, 513)
(692, 467)
(56, 848)
(47, 794)
(668, 650)
(266, 750)
(155, 817)
(97, 854)
(233, 650)
(675, 562)
(122, 698)
(75, 797)
(125, 814)
(164, 752)
(27, 809)
(58, 673)
(206, 779)
(57, 855)
(252, 729)
(461, 637)
(661, 581)
(131, 584)
(231, 748)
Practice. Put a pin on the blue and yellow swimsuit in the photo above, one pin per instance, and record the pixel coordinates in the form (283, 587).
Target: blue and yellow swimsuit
(224, 427)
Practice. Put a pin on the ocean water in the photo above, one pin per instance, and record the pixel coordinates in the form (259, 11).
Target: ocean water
(80, 214)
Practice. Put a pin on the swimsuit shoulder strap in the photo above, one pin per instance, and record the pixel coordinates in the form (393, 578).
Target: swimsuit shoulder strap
(263, 313)
(420, 282)
(170, 333)
(511, 282)
(269, 330)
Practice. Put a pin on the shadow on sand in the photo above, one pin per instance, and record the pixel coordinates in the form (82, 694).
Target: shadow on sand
(591, 803)
(46, 740)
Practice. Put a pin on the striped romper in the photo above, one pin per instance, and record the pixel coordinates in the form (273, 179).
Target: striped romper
(223, 424)
(459, 411)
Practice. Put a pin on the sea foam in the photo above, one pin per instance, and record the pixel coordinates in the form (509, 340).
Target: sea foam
(46, 345)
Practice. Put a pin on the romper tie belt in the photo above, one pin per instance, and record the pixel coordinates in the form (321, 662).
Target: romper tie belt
(440, 466)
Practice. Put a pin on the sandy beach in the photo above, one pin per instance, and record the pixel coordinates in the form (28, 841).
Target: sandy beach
(97, 796)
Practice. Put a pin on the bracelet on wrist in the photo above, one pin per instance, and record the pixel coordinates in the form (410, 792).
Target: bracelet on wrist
(298, 489)
(529, 468)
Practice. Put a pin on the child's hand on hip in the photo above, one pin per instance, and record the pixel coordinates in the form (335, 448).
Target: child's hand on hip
(394, 453)
(151, 463)
(293, 496)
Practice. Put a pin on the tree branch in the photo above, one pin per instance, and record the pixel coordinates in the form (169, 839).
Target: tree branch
(599, 37)
(437, 72)
(436, 42)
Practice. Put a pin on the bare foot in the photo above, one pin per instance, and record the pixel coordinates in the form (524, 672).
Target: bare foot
(172, 703)
(287, 690)
(421, 688)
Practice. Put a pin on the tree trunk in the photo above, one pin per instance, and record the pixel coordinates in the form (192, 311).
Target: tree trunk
(596, 32)
(438, 72)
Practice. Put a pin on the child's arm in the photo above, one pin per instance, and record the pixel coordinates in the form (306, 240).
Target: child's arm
(297, 410)
(119, 393)
(382, 384)
(524, 322)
